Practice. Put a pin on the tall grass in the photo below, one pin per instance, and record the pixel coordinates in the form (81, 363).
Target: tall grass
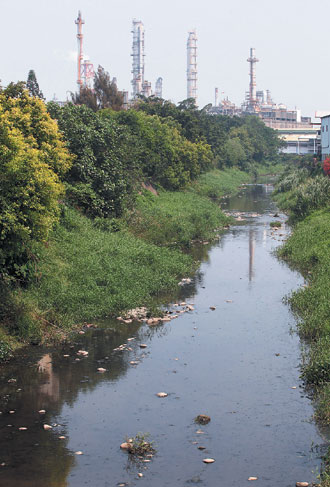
(217, 183)
(175, 218)
(88, 273)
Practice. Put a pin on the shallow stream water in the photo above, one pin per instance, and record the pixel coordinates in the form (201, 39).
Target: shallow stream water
(238, 363)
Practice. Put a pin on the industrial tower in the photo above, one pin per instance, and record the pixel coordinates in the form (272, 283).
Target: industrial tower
(192, 66)
(159, 88)
(85, 67)
(138, 58)
(252, 102)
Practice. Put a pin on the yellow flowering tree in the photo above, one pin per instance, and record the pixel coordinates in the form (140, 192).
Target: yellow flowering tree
(33, 158)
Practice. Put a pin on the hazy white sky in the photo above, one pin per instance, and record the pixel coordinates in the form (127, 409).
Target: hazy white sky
(291, 38)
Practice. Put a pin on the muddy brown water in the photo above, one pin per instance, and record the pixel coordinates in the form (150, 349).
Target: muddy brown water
(239, 364)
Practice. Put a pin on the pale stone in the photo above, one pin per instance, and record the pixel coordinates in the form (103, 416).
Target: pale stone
(208, 460)
(22, 428)
(61, 437)
(79, 453)
(42, 411)
(140, 475)
(162, 394)
(126, 446)
(47, 427)
(101, 370)
(253, 478)
(213, 308)
(302, 484)
(143, 345)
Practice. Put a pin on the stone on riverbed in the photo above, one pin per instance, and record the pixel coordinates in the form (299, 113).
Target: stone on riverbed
(162, 394)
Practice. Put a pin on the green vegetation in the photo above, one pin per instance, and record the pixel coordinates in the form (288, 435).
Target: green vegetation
(140, 445)
(32, 161)
(305, 193)
(215, 184)
(87, 273)
(80, 238)
(175, 218)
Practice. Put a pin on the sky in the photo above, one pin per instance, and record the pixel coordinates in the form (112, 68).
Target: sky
(291, 38)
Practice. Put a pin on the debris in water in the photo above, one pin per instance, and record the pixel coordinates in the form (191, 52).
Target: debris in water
(42, 411)
(66, 356)
(143, 345)
(202, 447)
(162, 394)
(229, 300)
(83, 353)
(11, 412)
(294, 387)
(253, 478)
(47, 427)
(101, 370)
(199, 432)
(202, 419)
(277, 354)
(140, 475)
(208, 460)
(302, 484)
(22, 428)
(78, 453)
(213, 308)
(62, 437)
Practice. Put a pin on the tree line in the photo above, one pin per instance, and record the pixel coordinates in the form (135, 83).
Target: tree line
(93, 155)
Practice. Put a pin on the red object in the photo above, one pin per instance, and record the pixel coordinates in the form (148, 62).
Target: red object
(326, 166)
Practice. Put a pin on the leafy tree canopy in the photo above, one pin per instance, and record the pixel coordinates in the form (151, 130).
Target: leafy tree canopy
(32, 160)
(33, 86)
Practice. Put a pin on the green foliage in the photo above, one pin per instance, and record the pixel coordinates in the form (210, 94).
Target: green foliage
(175, 218)
(308, 248)
(87, 273)
(140, 444)
(162, 153)
(32, 160)
(102, 177)
(217, 183)
(105, 93)
(233, 140)
(32, 85)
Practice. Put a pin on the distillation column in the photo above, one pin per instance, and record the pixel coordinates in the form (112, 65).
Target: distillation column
(138, 58)
(253, 85)
(159, 88)
(192, 66)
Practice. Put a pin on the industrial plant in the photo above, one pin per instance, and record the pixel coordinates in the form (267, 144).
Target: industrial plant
(301, 135)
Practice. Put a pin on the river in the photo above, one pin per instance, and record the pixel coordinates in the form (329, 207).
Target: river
(239, 364)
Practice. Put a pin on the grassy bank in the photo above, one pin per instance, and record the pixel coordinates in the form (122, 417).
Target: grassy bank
(91, 269)
(308, 249)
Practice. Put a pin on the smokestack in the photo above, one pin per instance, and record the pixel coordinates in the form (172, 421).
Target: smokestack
(216, 97)
(192, 66)
(253, 85)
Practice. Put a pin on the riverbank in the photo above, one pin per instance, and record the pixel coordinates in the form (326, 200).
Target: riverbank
(308, 250)
(93, 269)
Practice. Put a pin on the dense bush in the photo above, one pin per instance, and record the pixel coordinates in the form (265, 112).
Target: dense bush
(162, 153)
(101, 179)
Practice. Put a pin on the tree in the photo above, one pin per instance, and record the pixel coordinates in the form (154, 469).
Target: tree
(33, 86)
(33, 159)
(105, 93)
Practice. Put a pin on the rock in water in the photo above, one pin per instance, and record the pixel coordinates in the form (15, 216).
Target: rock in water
(208, 460)
(202, 419)
(162, 394)
(302, 484)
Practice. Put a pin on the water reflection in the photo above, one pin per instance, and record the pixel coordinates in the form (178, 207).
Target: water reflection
(95, 411)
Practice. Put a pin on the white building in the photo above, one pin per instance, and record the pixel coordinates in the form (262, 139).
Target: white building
(325, 136)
